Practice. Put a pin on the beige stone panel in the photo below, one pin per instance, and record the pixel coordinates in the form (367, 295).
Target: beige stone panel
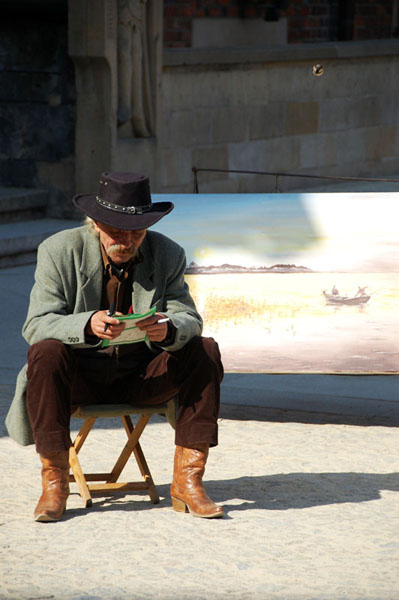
(266, 121)
(301, 117)
(380, 142)
(186, 128)
(176, 167)
(213, 157)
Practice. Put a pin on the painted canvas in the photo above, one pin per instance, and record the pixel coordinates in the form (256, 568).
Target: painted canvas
(294, 283)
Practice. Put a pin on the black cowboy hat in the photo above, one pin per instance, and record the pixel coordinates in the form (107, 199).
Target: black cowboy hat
(123, 201)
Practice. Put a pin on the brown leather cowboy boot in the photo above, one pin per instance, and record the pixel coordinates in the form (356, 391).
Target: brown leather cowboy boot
(55, 484)
(187, 491)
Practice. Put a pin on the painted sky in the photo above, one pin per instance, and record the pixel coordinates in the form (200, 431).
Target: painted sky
(324, 232)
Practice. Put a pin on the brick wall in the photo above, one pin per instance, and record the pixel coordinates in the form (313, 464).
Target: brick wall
(308, 20)
(373, 19)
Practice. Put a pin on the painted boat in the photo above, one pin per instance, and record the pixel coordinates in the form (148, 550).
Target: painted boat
(347, 300)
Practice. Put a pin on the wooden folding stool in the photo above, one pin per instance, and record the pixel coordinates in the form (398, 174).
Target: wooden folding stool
(111, 483)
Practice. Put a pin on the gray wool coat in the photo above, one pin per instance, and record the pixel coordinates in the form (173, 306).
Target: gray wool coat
(67, 291)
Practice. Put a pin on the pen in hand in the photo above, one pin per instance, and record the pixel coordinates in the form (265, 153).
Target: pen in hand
(109, 314)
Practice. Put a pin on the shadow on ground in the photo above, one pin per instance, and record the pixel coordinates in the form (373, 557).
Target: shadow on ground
(238, 412)
(286, 491)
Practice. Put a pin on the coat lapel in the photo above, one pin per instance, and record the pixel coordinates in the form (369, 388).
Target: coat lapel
(143, 285)
(91, 271)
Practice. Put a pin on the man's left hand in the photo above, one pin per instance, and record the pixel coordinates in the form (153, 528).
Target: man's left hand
(156, 332)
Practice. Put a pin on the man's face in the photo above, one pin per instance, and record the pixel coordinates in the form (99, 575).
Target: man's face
(120, 244)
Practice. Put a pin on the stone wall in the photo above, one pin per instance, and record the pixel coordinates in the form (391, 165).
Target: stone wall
(37, 95)
(264, 110)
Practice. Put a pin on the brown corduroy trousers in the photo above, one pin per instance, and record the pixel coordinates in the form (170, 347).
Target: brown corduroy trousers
(57, 382)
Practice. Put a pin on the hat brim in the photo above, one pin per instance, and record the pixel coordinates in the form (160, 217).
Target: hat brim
(87, 203)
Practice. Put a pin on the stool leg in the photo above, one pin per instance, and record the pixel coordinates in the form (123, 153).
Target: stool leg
(78, 475)
(79, 478)
(139, 456)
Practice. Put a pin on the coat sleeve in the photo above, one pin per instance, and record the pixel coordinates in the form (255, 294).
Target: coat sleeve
(49, 315)
(180, 307)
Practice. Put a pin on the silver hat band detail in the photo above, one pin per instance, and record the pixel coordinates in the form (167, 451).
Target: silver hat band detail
(131, 210)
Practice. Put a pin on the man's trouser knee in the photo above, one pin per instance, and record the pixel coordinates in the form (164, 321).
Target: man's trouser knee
(51, 369)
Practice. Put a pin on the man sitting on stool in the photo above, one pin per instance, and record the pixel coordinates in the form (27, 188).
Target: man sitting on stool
(113, 261)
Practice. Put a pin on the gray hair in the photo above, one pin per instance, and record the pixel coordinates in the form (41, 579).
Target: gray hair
(89, 223)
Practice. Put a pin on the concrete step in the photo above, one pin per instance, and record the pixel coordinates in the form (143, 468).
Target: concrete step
(22, 204)
(19, 241)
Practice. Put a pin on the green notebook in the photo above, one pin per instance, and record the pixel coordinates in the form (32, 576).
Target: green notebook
(131, 334)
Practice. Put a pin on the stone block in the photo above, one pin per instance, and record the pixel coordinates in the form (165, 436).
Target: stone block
(225, 185)
(22, 204)
(278, 154)
(251, 85)
(381, 142)
(349, 147)
(250, 155)
(316, 151)
(176, 167)
(229, 124)
(26, 86)
(186, 128)
(301, 118)
(266, 121)
(59, 178)
(140, 155)
(36, 130)
(212, 157)
(32, 45)
(351, 113)
(18, 173)
(360, 76)
(294, 80)
(200, 88)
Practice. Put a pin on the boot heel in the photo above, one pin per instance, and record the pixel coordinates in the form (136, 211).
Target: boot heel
(179, 505)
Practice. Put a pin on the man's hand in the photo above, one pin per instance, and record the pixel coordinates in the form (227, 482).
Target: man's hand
(97, 324)
(156, 332)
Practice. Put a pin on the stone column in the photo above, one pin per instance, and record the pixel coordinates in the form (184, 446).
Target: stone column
(140, 45)
(93, 48)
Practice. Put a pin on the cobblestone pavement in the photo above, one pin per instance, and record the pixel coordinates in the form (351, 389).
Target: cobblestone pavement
(312, 512)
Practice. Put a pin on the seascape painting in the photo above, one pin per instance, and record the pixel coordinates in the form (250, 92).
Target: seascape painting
(294, 283)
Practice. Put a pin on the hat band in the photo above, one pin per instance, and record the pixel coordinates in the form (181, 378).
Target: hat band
(131, 210)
